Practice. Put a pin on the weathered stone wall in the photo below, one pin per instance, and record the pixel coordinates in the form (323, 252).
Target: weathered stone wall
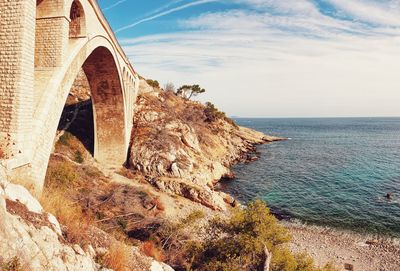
(17, 38)
(51, 41)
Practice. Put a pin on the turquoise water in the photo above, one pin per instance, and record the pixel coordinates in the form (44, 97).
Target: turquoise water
(332, 172)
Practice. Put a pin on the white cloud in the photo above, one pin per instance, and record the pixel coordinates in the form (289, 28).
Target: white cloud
(296, 62)
(376, 12)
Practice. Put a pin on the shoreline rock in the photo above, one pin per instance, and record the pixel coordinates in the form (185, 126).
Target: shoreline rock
(184, 154)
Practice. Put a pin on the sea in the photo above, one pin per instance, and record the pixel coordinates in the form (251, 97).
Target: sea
(331, 172)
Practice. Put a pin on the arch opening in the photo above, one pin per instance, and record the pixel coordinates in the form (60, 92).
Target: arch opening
(77, 116)
(94, 111)
(77, 25)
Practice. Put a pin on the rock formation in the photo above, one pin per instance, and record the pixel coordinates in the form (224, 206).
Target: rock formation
(184, 153)
(31, 238)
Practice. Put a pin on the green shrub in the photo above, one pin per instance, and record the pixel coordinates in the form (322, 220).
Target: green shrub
(92, 172)
(122, 223)
(65, 138)
(78, 157)
(63, 175)
(238, 243)
(212, 114)
(153, 83)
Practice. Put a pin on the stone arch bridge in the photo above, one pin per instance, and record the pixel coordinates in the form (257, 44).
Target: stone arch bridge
(44, 45)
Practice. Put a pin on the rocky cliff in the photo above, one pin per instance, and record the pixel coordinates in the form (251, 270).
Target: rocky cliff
(184, 150)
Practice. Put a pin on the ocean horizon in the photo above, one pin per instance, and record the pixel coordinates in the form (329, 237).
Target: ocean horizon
(332, 172)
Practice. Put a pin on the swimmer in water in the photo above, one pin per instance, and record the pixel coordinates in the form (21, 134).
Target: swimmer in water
(389, 196)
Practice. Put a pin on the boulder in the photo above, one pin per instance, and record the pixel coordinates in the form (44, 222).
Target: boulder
(54, 223)
(158, 266)
(19, 193)
(35, 247)
(200, 194)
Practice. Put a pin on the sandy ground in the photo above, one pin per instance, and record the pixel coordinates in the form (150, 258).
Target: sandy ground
(344, 247)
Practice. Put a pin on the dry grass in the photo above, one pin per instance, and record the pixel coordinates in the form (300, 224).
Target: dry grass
(69, 145)
(149, 248)
(13, 264)
(128, 173)
(159, 205)
(118, 257)
(69, 214)
(61, 175)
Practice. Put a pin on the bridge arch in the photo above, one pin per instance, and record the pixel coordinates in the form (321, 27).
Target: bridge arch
(98, 58)
(108, 104)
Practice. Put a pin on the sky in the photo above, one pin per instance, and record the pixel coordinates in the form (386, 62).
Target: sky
(269, 58)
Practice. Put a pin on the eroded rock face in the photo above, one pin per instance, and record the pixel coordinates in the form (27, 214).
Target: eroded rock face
(196, 193)
(35, 243)
(171, 138)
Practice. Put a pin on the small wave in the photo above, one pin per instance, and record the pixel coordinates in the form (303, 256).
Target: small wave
(299, 224)
(397, 201)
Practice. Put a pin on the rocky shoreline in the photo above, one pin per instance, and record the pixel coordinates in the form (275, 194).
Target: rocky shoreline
(365, 252)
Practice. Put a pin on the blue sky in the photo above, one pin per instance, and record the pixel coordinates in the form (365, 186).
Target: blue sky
(269, 58)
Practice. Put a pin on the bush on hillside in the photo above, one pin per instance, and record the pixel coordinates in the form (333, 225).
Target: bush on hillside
(238, 243)
(169, 87)
(153, 83)
(65, 138)
(75, 221)
(170, 241)
(61, 176)
(213, 114)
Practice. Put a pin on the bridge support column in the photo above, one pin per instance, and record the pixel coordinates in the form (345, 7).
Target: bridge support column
(17, 43)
